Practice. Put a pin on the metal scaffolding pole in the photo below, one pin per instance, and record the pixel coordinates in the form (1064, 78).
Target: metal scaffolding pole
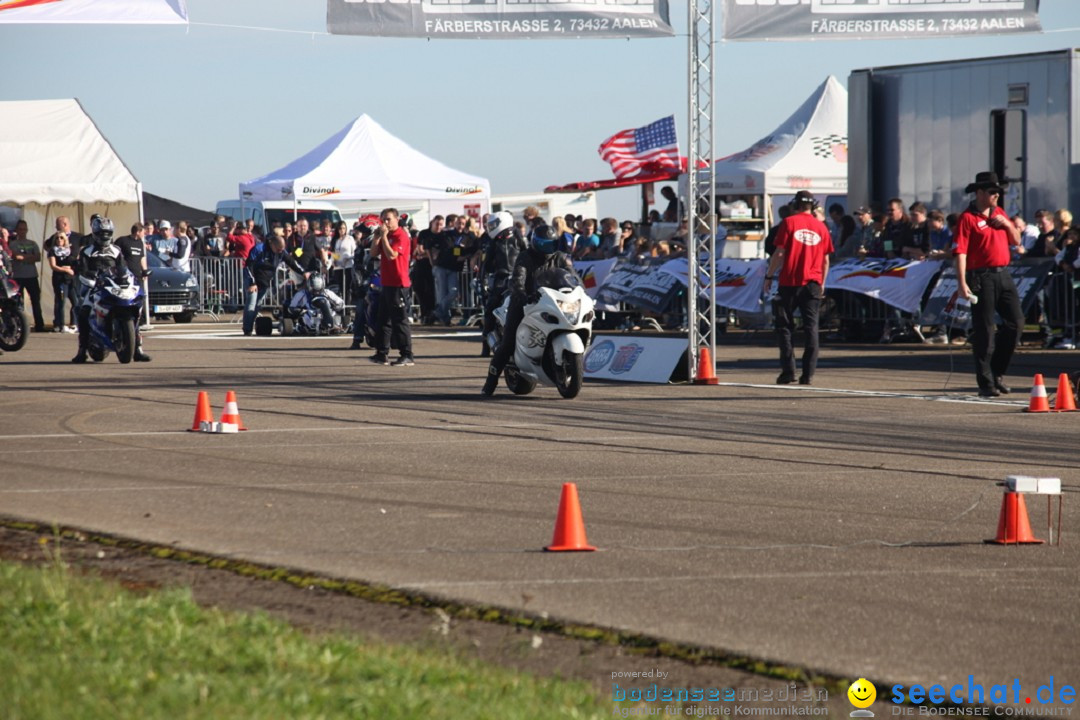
(701, 200)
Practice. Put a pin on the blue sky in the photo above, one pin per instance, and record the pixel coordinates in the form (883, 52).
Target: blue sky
(193, 111)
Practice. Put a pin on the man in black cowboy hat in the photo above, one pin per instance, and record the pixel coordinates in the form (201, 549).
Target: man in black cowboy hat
(983, 238)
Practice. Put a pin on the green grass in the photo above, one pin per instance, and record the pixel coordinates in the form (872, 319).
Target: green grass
(81, 647)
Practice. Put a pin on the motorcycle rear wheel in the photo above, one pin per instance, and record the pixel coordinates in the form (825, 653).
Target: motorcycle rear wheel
(288, 326)
(569, 374)
(13, 329)
(124, 339)
(518, 383)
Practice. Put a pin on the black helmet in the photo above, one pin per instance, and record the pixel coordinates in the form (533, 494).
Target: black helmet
(543, 240)
(102, 230)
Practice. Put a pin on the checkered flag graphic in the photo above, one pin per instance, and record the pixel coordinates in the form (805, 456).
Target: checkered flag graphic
(823, 146)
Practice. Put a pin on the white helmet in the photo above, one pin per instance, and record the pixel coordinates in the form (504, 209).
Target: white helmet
(499, 223)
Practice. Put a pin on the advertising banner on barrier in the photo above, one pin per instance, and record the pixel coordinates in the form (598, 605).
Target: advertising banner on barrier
(876, 19)
(593, 273)
(943, 307)
(500, 19)
(739, 283)
(633, 359)
(110, 12)
(642, 286)
(900, 283)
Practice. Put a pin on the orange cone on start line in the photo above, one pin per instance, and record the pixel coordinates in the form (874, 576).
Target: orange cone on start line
(569, 526)
(231, 413)
(1038, 402)
(202, 413)
(706, 371)
(1064, 400)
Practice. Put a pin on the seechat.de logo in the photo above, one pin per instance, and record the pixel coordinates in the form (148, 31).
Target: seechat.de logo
(862, 695)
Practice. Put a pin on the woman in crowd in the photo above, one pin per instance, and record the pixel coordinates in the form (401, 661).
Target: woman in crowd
(62, 263)
(342, 251)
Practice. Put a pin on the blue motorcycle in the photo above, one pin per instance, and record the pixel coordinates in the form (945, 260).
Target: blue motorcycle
(115, 302)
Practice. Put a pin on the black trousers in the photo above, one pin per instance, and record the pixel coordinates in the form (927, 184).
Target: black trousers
(496, 294)
(514, 315)
(807, 299)
(393, 320)
(33, 288)
(993, 348)
(423, 282)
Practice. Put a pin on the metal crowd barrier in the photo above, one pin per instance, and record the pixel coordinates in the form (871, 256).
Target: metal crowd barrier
(1058, 301)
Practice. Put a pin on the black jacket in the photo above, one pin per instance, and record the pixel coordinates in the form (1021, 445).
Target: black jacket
(501, 254)
(529, 263)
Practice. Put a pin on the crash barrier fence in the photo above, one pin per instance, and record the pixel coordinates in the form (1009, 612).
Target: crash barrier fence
(221, 288)
(1049, 295)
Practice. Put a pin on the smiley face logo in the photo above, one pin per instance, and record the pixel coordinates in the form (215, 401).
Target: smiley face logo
(862, 693)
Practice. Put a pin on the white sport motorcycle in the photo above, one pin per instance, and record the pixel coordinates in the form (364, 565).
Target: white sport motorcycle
(552, 336)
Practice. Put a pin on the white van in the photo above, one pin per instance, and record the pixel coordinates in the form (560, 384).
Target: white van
(267, 212)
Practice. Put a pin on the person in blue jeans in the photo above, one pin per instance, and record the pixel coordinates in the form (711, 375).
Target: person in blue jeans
(259, 270)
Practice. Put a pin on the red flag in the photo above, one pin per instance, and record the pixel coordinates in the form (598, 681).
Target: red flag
(651, 148)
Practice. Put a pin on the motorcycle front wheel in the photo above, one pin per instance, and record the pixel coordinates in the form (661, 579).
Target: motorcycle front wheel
(569, 374)
(124, 339)
(13, 329)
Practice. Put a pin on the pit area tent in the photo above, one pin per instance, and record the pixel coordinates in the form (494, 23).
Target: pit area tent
(365, 162)
(54, 161)
(808, 151)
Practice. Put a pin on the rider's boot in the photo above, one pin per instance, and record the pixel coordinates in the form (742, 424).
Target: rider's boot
(80, 357)
(492, 381)
(140, 356)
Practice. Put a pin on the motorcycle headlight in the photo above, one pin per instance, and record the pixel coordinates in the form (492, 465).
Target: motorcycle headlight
(570, 308)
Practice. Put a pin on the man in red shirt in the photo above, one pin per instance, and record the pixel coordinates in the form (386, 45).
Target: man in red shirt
(983, 236)
(803, 246)
(392, 245)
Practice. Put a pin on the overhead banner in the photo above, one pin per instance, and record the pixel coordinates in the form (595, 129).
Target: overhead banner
(900, 283)
(499, 19)
(113, 12)
(876, 19)
(739, 283)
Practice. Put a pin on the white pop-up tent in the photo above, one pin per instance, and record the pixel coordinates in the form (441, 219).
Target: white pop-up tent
(54, 161)
(808, 151)
(365, 162)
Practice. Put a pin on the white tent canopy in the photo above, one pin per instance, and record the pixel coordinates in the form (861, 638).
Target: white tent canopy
(120, 12)
(54, 161)
(808, 151)
(365, 162)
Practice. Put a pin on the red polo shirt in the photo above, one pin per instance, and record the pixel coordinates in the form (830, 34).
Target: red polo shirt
(395, 273)
(807, 242)
(984, 246)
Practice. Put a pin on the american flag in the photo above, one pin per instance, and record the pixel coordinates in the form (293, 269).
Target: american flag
(650, 148)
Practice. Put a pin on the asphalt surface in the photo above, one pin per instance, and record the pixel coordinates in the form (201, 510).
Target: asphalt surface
(838, 527)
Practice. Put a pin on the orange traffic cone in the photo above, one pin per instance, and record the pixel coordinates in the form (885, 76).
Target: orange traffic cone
(569, 527)
(202, 412)
(231, 413)
(706, 371)
(1038, 402)
(1064, 400)
(1014, 528)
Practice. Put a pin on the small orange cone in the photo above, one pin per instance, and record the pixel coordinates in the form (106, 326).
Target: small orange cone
(706, 371)
(1038, 402)
(569, 527)
(202, 412)
(1014, 528)
(231, 413)
(1064, 400)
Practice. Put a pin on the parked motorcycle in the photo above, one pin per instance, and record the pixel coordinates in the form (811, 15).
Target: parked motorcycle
(302, 315)
(115, 301)
(13, 325)
(552, 336)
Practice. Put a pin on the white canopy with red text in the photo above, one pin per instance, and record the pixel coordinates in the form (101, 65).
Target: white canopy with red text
(365, 162)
